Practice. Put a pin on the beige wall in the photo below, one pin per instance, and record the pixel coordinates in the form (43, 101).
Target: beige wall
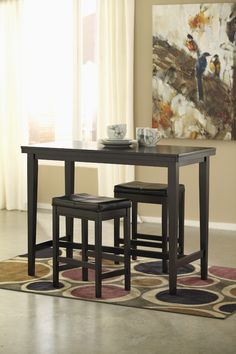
(51, 182)
(222, 166)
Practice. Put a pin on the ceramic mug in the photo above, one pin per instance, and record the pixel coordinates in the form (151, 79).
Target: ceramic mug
(151, 136)
(116, 131)
(140, 135)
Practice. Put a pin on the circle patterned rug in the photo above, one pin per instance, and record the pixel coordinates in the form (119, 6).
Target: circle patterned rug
(214, 297)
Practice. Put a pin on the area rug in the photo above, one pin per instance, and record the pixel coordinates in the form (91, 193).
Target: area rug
(215, 297)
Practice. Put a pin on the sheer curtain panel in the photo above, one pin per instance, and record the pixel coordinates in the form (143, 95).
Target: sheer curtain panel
(115, 77)
(13, 126)
(40, 84)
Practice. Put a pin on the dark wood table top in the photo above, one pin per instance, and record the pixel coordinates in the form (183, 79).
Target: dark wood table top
(159, 155)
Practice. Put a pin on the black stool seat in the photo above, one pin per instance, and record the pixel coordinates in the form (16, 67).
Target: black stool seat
(146, 188)
(90, 202)
(89, 207)
(153, 193)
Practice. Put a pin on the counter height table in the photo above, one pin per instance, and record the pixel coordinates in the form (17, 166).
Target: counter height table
(171, 157)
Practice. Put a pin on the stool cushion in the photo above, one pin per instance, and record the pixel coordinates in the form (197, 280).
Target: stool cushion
(91, 202)
(137, 187)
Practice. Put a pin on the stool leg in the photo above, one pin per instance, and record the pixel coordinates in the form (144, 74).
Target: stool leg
(69, 189)
(69, 235)
(181, 222)
(84, 249)
(134, 227)
(164, 226)
(127, 249)
(55, 232)
(98, 257)
(116, 234)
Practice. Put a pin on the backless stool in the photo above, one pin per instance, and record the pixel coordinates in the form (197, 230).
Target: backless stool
(153, 193)
(88, 207)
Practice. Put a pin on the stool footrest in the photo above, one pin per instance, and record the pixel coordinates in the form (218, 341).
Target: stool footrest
(146, 243)
(149, 254)
(189, 258)
(108, 256)
(113, 273)
(70, 261)
(149, 237)
(145, 237)
(70, 245)
(42, 245)
(75, 263)
(75, 245)
(89, 265)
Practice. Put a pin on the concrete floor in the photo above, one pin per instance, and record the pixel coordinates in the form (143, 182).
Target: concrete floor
(42, 324)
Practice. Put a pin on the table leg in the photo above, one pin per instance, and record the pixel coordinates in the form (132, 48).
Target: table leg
(69, 189)
(32, 189)
(173, 208)
(204, 214)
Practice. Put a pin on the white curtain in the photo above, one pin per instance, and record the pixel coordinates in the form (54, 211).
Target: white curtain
(115, 82)
(40, 89)
(13, 132)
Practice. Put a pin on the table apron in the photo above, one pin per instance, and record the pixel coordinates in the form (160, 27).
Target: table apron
(123, 160)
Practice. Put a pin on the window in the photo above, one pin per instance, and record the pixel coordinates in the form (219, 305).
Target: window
(49, 68)
(89, 70)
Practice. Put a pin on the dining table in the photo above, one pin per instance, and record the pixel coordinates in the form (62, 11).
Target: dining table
(168, 156)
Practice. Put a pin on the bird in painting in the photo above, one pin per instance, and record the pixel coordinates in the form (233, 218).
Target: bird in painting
(191, 44)
(214, 65)
(201, 65)
(231, 26)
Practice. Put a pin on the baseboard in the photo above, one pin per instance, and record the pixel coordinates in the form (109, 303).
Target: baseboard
(152, 219)
(195, 223)
(44, 206)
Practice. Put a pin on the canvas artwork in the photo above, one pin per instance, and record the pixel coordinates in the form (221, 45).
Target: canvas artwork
(194, 71)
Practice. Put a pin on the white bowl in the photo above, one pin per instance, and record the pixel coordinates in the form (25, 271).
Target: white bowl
(116, 131)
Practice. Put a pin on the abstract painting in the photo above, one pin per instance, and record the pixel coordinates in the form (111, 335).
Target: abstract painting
(194, 71)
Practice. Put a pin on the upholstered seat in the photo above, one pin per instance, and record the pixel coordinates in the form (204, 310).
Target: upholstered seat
(145, 188)
(90, 202)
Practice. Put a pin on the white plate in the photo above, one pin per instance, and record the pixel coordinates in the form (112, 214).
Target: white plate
(117, 143)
